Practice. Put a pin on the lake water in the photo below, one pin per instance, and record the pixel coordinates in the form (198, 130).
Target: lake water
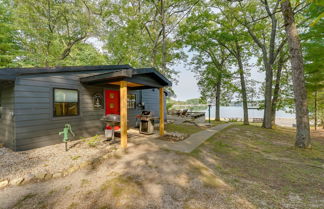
(237, 112)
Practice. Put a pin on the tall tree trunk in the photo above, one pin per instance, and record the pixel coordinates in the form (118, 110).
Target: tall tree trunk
(267, 96)
(276, 90)
(217, 102)
(243, 86)
(303, 132)
(268, 110)
(315, 109)
(164, 53)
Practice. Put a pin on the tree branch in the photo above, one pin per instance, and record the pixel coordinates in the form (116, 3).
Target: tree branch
(67, 50)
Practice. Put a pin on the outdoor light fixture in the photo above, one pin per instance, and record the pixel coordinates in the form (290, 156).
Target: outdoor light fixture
(141, 105)
(209, 105)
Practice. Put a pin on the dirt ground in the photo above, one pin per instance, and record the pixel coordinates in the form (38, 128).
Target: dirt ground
(239, 167)
(54, 158)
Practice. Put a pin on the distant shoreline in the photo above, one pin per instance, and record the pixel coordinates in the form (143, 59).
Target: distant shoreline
(288, 122)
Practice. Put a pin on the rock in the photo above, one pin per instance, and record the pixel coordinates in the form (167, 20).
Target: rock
(85, 164)
(17, 181)
(48, 176)
(71, 170)
(57, 175)
(175, 136)
(40, 176)
(3, 183)
(106, 156)
(29, 178)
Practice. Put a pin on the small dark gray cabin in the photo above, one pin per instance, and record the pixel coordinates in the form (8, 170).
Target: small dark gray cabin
(36, 103)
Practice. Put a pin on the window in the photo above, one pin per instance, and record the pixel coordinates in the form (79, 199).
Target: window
(131, 101)
(66, 102)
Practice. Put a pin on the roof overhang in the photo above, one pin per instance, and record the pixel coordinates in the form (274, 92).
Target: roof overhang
(4, 77)
(136, 78)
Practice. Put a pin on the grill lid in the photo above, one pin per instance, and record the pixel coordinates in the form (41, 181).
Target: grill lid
(147, 113)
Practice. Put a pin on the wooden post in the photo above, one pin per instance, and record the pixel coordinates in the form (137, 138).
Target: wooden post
(123, 114)
(161, 112)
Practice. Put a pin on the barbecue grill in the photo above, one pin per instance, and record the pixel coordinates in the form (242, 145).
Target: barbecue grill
(146, 122)
(112, 121)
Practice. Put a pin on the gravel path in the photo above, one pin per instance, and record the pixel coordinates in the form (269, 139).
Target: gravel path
(51, 159)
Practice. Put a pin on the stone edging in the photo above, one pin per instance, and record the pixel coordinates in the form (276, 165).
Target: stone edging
(43, 176)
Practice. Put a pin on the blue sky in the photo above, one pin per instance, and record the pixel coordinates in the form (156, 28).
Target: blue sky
(187, 84)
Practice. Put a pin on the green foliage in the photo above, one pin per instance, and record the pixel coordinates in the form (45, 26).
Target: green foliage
(210, 60)
(232, 120)
(94, 141)
(169, 105)
(50, 30)
(84, 54)
(220, 43)
(8, 33)
(194, 101)
(134, 33)
(313, 46)
(75, 157)
(182, 128)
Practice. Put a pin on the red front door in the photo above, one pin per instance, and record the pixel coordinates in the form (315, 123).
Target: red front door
(112, 101)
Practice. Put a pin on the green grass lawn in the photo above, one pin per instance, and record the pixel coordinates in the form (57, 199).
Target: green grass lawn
(187, 128)
(183, 128)
(214, 123)
(265, 167)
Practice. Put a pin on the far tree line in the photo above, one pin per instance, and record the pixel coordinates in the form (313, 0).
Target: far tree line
(283, 37)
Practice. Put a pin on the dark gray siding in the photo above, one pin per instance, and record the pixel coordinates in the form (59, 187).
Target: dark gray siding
(133, 112)
(151, 98)
(7, 119)
(35, 124)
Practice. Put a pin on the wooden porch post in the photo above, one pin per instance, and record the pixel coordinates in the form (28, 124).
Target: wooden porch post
(161, 111)
(123, 114)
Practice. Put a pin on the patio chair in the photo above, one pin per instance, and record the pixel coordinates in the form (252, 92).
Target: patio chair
(184, 113)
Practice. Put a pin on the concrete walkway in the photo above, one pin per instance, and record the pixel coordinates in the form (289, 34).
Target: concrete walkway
(190, 143)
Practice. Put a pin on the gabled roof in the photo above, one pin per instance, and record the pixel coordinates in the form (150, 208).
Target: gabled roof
(145, 77)
(154, 72)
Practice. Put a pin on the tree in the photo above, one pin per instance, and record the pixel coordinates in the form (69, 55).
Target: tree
(9, 45)
(278, 83)
(49, 30)
(85, 54)
(303, 131)
(143, 33)
(212, 77)
(257, 23)
(313, 46)
(232, 37)
(210, 32)
(209, 62)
